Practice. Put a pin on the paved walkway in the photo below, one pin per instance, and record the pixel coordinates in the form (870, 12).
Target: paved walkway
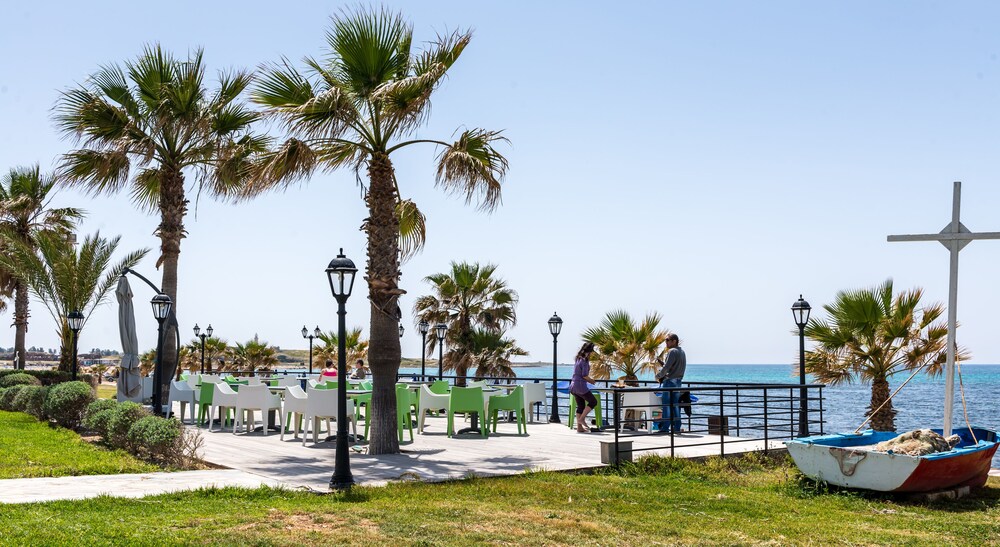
(125, 486)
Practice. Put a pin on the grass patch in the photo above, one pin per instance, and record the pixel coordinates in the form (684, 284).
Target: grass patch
(656, 501)
(105, 391)
(29, 448)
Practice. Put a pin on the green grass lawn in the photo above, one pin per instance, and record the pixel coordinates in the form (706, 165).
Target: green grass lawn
(662, 502)
(29, 448)
(106, 391)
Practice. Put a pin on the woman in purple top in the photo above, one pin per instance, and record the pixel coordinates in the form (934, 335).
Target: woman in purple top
(585, 400)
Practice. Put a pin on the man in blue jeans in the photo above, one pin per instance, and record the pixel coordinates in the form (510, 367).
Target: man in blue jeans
(670, 376)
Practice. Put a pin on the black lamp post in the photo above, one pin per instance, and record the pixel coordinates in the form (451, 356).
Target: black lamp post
(161, 310)
(310, 336)
(341, 273)
(439, 330)
(208, 334)
(800, 311)
(423, 327)
(401, 329)
(555, 327)
(75, 321)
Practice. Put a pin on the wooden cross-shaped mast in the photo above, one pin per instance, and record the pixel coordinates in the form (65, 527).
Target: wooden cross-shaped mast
(954, 237)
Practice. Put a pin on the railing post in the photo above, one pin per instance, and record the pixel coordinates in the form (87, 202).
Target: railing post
(791, 413)
(766, 443)
(617, 413)
(737, 411)
(821, 410)
(722, 430)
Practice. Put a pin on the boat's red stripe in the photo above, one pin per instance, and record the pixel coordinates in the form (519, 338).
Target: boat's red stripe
(941, 473)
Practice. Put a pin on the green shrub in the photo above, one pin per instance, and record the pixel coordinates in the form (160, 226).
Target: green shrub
(66, 403)
(31, 400)
(8, 396)
(98, 416)
(121, 420)
(157, 440)
(19, 379)
(50, 377)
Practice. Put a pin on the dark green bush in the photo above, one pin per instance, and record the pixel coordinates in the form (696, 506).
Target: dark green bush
(100, 423)
(8, 396)
(19, 379)
(121, 420)
(50, 377)
(31, 400)
(98, 416)
(157, 440)
(66, 403)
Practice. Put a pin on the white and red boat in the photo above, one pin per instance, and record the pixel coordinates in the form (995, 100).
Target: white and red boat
(848, 460)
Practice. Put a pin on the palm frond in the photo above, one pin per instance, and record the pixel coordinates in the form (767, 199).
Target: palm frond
(412, 229)
(472, 167)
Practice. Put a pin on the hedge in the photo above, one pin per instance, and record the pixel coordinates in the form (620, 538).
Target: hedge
(66, 403)
(50, 377)
(31, 400)
(19, 379)
(157, 440)
(121, 420)
(7, 396)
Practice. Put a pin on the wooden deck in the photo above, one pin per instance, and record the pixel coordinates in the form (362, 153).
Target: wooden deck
(433, 456)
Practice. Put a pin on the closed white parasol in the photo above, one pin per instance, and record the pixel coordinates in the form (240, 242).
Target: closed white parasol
(129, 380)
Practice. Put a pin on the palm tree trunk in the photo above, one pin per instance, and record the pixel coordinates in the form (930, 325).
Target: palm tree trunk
(20, 321)
(884, 419)
(66, 348)
(173, 206)
(383, 274)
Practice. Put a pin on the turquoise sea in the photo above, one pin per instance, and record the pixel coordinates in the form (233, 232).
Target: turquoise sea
(920, 404)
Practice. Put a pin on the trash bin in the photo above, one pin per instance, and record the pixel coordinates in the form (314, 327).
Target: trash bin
(718, 425)
(608, 455)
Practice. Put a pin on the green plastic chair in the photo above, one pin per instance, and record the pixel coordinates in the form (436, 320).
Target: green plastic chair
(205, 399)
(403, 418)
(328, 385)
(184, 375)
(513, 402)
(467, 399)
(365, 399)
(572, 410)
(367, 385)
(439, 387)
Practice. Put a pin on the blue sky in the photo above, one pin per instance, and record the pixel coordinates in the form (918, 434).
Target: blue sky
(705, 160)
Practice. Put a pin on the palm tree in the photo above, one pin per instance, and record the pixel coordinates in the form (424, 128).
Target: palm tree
(466, 298)
(25, 213)
(65, 279)
(354, 108)
(191, 353)
(254, 355)
(147, 361)
(626, 346)
(157, 113)
(873, 334)
(354, 347)
(491, 353)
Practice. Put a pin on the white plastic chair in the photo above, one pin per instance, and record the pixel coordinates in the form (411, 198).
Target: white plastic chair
(476, 383)
(312, 383)
(193, 380)
(641, 403)
(223, 397)
(429, 400)
(147, 388)
(254, 381)
(181, 392)
(294, 409)
(534, 392)
(290, 382)
(256, 397)
(322, 404)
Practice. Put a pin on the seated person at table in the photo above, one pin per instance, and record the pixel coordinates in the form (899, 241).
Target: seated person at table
(359, 372)
(329, 373)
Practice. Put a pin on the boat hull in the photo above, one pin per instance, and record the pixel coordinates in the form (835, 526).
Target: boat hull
(847, 460)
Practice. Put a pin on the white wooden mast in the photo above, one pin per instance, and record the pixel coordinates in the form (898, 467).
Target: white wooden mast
(954, 237)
